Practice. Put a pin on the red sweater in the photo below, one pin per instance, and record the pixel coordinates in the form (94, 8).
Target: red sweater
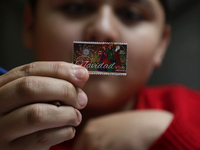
(184, 131)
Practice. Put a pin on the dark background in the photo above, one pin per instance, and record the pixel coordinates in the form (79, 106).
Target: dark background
(181, 63)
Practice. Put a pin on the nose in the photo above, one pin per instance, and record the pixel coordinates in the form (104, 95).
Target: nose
(103, 26)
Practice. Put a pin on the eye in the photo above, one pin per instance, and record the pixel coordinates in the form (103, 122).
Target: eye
(129, 16)
(77, 10)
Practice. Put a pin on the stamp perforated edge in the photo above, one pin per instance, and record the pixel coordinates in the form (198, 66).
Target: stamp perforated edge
(100, 72)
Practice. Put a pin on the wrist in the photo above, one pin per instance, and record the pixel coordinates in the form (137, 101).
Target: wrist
(158, 124)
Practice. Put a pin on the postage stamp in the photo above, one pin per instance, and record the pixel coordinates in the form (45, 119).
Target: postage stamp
(101, 58)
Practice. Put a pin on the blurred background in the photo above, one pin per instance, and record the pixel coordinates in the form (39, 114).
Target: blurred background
(181, 63)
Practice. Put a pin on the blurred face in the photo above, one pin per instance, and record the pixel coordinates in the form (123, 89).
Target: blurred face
(140, 23)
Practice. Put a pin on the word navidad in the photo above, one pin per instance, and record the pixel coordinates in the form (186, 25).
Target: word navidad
(101, 58)
(89, 65)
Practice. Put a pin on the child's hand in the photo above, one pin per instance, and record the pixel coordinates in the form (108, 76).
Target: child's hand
(135, 130)
(27, 120)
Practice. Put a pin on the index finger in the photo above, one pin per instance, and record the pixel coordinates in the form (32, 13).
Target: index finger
(74, 74)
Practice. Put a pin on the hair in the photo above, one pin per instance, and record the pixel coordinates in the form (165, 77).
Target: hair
(162, 2)
(165, 6)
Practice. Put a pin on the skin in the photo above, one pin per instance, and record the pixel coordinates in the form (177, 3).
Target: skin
(26, 91)
(53, 27)
(27, 120)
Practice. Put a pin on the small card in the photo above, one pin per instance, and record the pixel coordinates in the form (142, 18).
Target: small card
(101, 58)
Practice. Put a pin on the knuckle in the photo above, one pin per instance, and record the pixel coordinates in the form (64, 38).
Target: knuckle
(67, 89)
(58, 67)
(27, 86)
(36, 115)
(27, 69)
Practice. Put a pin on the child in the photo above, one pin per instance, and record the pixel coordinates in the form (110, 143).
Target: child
(164, 117)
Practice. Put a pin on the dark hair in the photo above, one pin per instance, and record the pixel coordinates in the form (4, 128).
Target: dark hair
(162, 2)
(165, 6)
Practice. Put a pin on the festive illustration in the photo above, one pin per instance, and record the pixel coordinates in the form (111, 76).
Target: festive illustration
(101, 58)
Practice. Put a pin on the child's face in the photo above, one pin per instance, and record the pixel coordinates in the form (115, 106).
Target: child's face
(140, 23)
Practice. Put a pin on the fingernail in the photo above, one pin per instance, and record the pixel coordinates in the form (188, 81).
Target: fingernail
(74, 130)
(79, 116)
(82, 99)
(79, 73)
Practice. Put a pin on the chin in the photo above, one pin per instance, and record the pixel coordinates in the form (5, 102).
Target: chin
(106, 100)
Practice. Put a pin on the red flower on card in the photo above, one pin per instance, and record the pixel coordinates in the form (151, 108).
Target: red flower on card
(106, 61)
